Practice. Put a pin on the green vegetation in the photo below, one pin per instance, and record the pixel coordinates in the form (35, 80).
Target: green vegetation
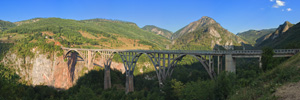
(189, 80)
(265, 85)
(201, 39)
(252, 36)
(158, 31)
(203, 34)
(4, 25)
(69, 32)
(285, 39)
(267, 59)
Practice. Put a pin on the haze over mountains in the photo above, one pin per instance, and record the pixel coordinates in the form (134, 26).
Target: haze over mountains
(203, 34)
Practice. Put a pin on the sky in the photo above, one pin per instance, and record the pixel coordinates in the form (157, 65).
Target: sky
(234, 15)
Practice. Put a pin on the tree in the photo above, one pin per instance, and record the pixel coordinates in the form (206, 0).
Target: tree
(267, 58)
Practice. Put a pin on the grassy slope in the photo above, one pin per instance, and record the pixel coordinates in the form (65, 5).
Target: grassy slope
(265, 85)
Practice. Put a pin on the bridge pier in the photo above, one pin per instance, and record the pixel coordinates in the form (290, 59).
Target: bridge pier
(107, 79)
(129, 60)
(230, 63)
(106, 57)
(260, 63)
(220, 64)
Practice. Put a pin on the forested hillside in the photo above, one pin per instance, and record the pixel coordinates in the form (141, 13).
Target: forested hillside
(285, 36)
(204, 34)
(252, 36)
(4, 25)
(158, 31)
(99, 33)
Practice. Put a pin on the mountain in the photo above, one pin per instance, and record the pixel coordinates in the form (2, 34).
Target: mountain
(252, 35)
(281, 35)
(204, 34)
(4, 25)
(158, 31)
(96, 33)
(28, 21)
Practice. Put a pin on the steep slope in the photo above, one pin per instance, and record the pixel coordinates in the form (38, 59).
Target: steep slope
(284, 36)
(251, 36)
(204, 34)
(37, 57)
(4, 25)
(158, 31)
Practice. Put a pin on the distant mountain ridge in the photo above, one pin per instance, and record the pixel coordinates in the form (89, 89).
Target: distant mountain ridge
(286, 36)
(158, 31)
(252, 36)
(204, 34)
(4, 25)
(268, 39)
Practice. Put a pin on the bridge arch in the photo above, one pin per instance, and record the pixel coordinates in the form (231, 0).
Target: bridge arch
(73, 50)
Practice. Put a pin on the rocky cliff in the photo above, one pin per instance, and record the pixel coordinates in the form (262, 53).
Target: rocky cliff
(51, 70)
(275, 36)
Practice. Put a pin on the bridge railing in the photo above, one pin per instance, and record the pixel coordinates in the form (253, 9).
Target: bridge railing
(213, 52)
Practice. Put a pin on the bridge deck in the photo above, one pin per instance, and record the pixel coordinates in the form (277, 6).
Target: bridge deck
(202, 52)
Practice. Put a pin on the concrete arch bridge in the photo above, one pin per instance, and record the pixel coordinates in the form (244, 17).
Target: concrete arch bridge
(165, 60)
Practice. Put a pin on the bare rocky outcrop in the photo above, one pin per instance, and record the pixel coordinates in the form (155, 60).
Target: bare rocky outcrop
(289, 91)
(55, 71)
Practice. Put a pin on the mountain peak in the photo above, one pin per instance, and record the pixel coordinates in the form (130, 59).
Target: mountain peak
(196, 25)
(205, 20)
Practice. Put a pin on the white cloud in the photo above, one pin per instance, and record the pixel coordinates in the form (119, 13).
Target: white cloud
(289, 9)
(278, 4)
(271, 0)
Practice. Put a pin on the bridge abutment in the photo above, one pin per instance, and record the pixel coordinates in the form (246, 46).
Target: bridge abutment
(230, 63)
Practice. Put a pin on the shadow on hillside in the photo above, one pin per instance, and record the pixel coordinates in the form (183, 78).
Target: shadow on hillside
(233, 47)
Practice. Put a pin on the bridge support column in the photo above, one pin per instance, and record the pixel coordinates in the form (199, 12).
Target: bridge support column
(230, 63)
(220, 63)
(107, 79)
(129, 60)
(89, 59)
(260, 63)
(164, 65)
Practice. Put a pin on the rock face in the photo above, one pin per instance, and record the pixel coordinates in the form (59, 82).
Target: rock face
(158, 31)
(275, 36)
(55, 71)
(204, 34)
(51, 70)
(279, 31)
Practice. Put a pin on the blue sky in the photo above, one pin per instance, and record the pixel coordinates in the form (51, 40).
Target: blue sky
(234, 15)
